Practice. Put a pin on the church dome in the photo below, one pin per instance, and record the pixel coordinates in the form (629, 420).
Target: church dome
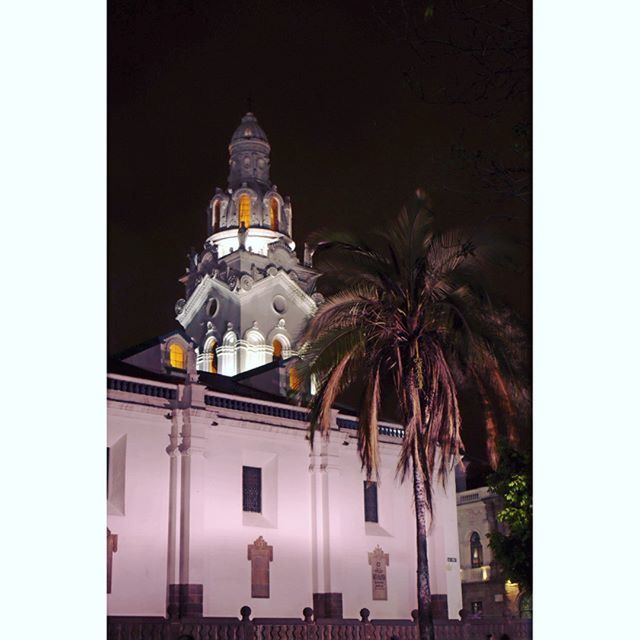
(249, 129)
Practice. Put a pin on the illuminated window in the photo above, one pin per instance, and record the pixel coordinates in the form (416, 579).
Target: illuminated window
(294, 379)
(274, 214)
(176, 356)
(212, 358)
(252, 489)
(277, 350)
(370, 501)
(476, 550)
(216, 216)
(245, 211)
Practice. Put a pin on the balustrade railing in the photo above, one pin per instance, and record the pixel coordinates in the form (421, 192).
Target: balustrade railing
(143, 388)
(144, 628)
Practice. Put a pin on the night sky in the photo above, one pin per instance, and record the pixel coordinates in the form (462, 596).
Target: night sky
(357, 118)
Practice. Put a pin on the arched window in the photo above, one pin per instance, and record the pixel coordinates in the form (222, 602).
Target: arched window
(277, 350)
(212, 357)
(244, 211)
(476, 550)
(294, 379)
(216, 216)
(274, 214)
(176, 356)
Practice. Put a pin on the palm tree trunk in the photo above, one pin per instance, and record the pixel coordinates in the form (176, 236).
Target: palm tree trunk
(425, 614)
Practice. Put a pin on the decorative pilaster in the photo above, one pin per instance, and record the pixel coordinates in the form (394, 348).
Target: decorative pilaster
(188, 595)
(326, 560)
(173, 606)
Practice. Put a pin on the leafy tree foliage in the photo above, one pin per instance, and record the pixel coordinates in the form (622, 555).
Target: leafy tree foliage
(513, 548)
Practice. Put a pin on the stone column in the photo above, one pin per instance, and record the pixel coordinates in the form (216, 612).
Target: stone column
(190, 591)
(173, 566)
(325, 540)
(443, 547)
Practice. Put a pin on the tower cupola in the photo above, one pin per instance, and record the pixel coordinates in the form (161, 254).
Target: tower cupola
(249, 156)
(247, 296)
(250, 214)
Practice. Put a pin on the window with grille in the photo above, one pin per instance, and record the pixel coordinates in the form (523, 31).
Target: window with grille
(245, 211)
(252, 489)
(476, 550)
(370, 501)
(476, 606)
(176, 356)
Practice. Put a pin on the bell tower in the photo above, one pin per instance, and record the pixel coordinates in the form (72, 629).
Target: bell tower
(247, 295)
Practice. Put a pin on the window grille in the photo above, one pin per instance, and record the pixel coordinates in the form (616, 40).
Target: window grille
(252, 489)
(476, 550)
(245, 211)
(370, 501)
(476, 607)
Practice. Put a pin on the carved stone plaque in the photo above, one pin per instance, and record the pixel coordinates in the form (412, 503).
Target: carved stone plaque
(112, 547)
(260, 554)
(379, 560)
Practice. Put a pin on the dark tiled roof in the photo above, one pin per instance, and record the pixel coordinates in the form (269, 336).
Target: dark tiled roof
(152, 342)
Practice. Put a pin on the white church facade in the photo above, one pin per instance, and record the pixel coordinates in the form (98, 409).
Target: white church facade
(215, 498)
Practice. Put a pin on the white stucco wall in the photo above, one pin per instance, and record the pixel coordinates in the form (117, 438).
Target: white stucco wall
(313, 516)
(138, 583)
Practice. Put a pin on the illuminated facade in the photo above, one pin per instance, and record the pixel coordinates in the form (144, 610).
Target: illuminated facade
(215, 499)
(484, 591)
(247, 295)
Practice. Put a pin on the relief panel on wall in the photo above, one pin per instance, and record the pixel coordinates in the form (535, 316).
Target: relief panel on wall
(379, 560)
(260, 554)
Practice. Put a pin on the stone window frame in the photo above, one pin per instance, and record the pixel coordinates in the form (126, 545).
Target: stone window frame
(251, 481)
(475, 543)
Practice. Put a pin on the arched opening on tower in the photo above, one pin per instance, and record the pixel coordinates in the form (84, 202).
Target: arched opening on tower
(211, 357)
(294, 379)
(216, 216)
(274, 214)
(176, 356)
(244, 214)
(277, 350)
(476, 550)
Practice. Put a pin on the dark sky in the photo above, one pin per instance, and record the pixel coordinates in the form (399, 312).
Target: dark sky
(335, 91)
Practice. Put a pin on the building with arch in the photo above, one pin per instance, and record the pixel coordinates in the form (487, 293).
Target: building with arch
(215, 498)
(485, 593)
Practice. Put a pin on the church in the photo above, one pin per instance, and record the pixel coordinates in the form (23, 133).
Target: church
(215, 498)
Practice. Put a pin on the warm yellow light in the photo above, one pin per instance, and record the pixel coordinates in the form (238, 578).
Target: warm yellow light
(277, 350)
(274, 214)
(294, 380)
(245, 211)
(213, 359)
(176, 356)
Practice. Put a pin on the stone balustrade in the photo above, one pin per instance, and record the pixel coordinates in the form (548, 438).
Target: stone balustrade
(307, 628)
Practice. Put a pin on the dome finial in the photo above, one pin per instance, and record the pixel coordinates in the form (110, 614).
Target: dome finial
(249, 155)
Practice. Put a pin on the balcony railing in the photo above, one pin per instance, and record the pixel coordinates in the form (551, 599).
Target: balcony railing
(120, 384)
(383, 429)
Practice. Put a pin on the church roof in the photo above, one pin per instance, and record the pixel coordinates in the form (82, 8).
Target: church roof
(249, 129)
(152, 342)
(214, 382)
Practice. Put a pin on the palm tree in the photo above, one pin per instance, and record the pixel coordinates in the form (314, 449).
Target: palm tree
(411, 317)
